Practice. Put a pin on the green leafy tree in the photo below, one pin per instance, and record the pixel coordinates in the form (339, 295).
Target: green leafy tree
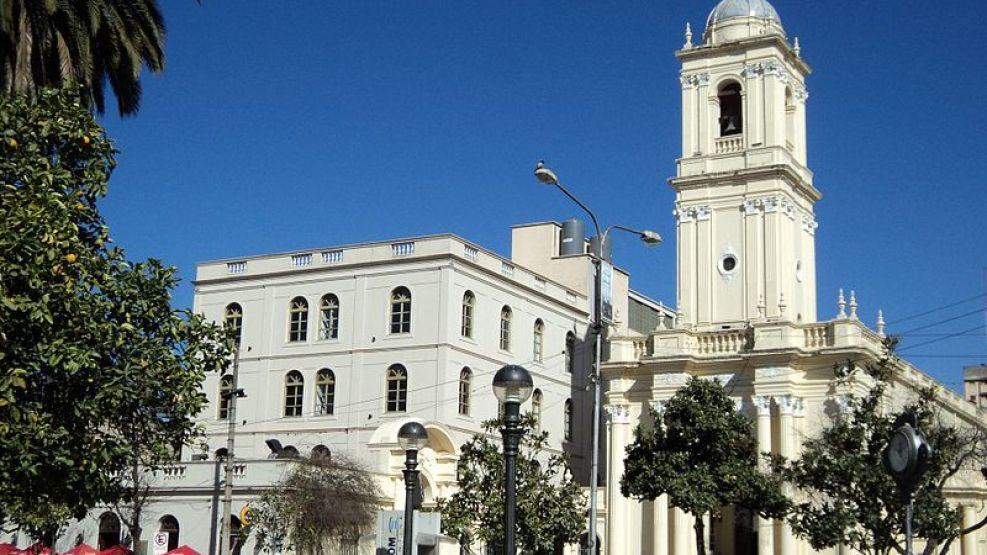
(550, 506)
(85, 43)
(318, 506)
(851, 499)
(98, 373)
(703, 454)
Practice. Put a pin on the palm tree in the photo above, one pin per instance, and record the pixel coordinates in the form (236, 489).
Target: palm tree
(83, 43)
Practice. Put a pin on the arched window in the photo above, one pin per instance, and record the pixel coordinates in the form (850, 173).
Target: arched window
(401, 310)
(109, 531)
(225, 392)
(289, 452)
(465, 383)
(397, 389)
(469, 302)
(220, 454)
(169, 525)
(325, 392)
(731, 109)
(233, 320)
(321, 452)
(505, 328)
(570, 352)
(329, 319)
(298, 319)
(567, 420)
(536, 402)
(294, 388)
(538, 345)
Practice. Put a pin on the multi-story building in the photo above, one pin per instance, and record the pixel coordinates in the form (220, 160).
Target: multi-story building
(338, 347)
(746, 289)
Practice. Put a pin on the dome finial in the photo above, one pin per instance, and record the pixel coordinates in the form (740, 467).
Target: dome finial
(688, 36)
(797, 49)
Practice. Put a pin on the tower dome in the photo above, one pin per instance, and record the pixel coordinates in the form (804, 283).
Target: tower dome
(733, 20)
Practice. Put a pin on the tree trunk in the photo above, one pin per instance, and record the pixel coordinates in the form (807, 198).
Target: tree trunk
(700, 528)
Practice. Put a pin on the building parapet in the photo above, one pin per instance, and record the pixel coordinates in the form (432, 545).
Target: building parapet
(368, 254)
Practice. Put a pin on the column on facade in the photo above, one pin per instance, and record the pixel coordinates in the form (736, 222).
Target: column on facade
(788, 407)
(659, 526)
(617, 504)
(969, 541)
(683, 534)
(765, 526)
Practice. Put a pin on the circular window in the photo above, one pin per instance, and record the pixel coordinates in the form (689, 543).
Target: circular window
(728, 263)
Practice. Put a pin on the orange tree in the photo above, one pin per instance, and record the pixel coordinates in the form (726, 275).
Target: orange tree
(97, 371)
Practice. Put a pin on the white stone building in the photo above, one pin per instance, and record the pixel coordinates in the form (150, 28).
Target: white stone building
(341, 346)
(746, 288)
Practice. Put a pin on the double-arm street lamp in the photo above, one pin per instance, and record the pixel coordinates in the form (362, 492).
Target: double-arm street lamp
(412, 437)
(652, 238)
(512, 385)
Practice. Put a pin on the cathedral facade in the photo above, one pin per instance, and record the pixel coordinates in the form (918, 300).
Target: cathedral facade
(746, 291)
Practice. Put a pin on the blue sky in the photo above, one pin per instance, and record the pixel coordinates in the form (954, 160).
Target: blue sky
(289, 125)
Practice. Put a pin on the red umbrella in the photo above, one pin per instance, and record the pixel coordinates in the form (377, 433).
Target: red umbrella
(183, 550)
(37, 549)
(7, 548)
(81, 549)
(116, 550)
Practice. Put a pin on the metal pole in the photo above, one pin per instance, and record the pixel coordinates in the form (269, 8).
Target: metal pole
(511, 434)
(410, 479)
(597, 393)
(224, 538)
(908, 527)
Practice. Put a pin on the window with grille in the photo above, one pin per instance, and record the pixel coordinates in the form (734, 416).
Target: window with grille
(538, 345)
(505, 328)
(567, 420)
(329, 317)
(233, 320)
(325, 392)
(298, 320)
(536, 401)
(401, 310)
(570, 352)
(465, 382)
(397, 389)
(294, 387)
(225, 392)
(469, 303)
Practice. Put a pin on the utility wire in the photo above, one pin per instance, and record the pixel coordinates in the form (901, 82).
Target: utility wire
(938, 308)
(943, 338)
(934, 324)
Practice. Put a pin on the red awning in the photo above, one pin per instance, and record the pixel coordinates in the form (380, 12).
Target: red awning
(7, 548)
(116, 550)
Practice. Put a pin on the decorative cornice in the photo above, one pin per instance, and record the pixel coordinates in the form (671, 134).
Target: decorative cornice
(677, 379)
(789, 209)
(762, 403)
(619, 414)
(697, 213)
(809, 224)
(787, 404)
(772, 371)
(694, 81)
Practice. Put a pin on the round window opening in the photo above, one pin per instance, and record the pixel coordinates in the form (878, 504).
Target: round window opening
(728, 263)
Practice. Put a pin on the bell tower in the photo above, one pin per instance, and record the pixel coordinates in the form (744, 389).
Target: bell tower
(744, 196)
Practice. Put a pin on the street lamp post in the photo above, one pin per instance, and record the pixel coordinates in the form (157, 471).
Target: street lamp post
(652, 238)
(512, 385)
(412, 436)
